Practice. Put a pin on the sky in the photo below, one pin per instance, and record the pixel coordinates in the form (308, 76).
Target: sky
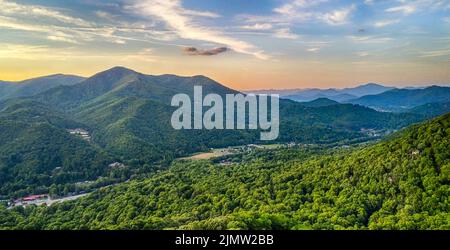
(244, 44)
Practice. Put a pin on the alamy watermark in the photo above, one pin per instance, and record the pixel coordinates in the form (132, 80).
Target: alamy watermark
(237, 107)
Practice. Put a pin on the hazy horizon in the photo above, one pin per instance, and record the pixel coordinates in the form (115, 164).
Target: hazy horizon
(245, 90)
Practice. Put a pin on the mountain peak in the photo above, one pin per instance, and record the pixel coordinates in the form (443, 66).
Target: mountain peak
(119, 70)
(113, 75)
(201, 77)
(371, 84)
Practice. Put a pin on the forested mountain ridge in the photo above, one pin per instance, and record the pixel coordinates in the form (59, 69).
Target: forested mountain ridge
(320, 102)
(400, 183)
(431, 109)
(403, 99)
(35, 86)
(123, 82)
(38, 151)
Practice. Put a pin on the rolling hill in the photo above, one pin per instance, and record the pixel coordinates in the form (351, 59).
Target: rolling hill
(35, 86)
(431, 109)
(404, 99)
(320, 102)
(37, 151)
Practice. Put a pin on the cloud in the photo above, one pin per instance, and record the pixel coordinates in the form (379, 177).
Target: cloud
(61, 39)
(11, 23)
(43, 53)
(338, 17)
(302, 11)
(315, 46)
(405, 9)
(413, 6)
(118, 32)
(258, 26)
(383, 23)
(285, 33)
(15, 9)
(291, 8)
(181, 21)
(105, 15)
(199, 13)
(435, 53)
(119, 41)
(53, 33)
(362, 54)
(369, 39)
(20, 51)
(192, 51)
(313, 49)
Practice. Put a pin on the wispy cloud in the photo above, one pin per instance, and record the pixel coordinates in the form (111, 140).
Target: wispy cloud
(62, 38)
(12, 23)
(301, 11)
(314, 46)
(412, 6)
(435, 53)
(52, 33)
(338, 17)
(79, 35)
(370, 39)
(313, 49)
(15, 9)
(180, 20)
(105, 15)
(405, 9)
(362, 53)
(51, 24)
(285, 33)
(19, 51)
(46, 53)
(292, 7)
(257, 26)
(383, 23)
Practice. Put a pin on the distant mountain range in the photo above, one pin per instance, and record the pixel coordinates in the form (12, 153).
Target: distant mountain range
(430, 101)
(127, 116)
(339, 95)
(404, 99)
(36, 85)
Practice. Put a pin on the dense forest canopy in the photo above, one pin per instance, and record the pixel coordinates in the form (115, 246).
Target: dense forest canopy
(400, 183)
